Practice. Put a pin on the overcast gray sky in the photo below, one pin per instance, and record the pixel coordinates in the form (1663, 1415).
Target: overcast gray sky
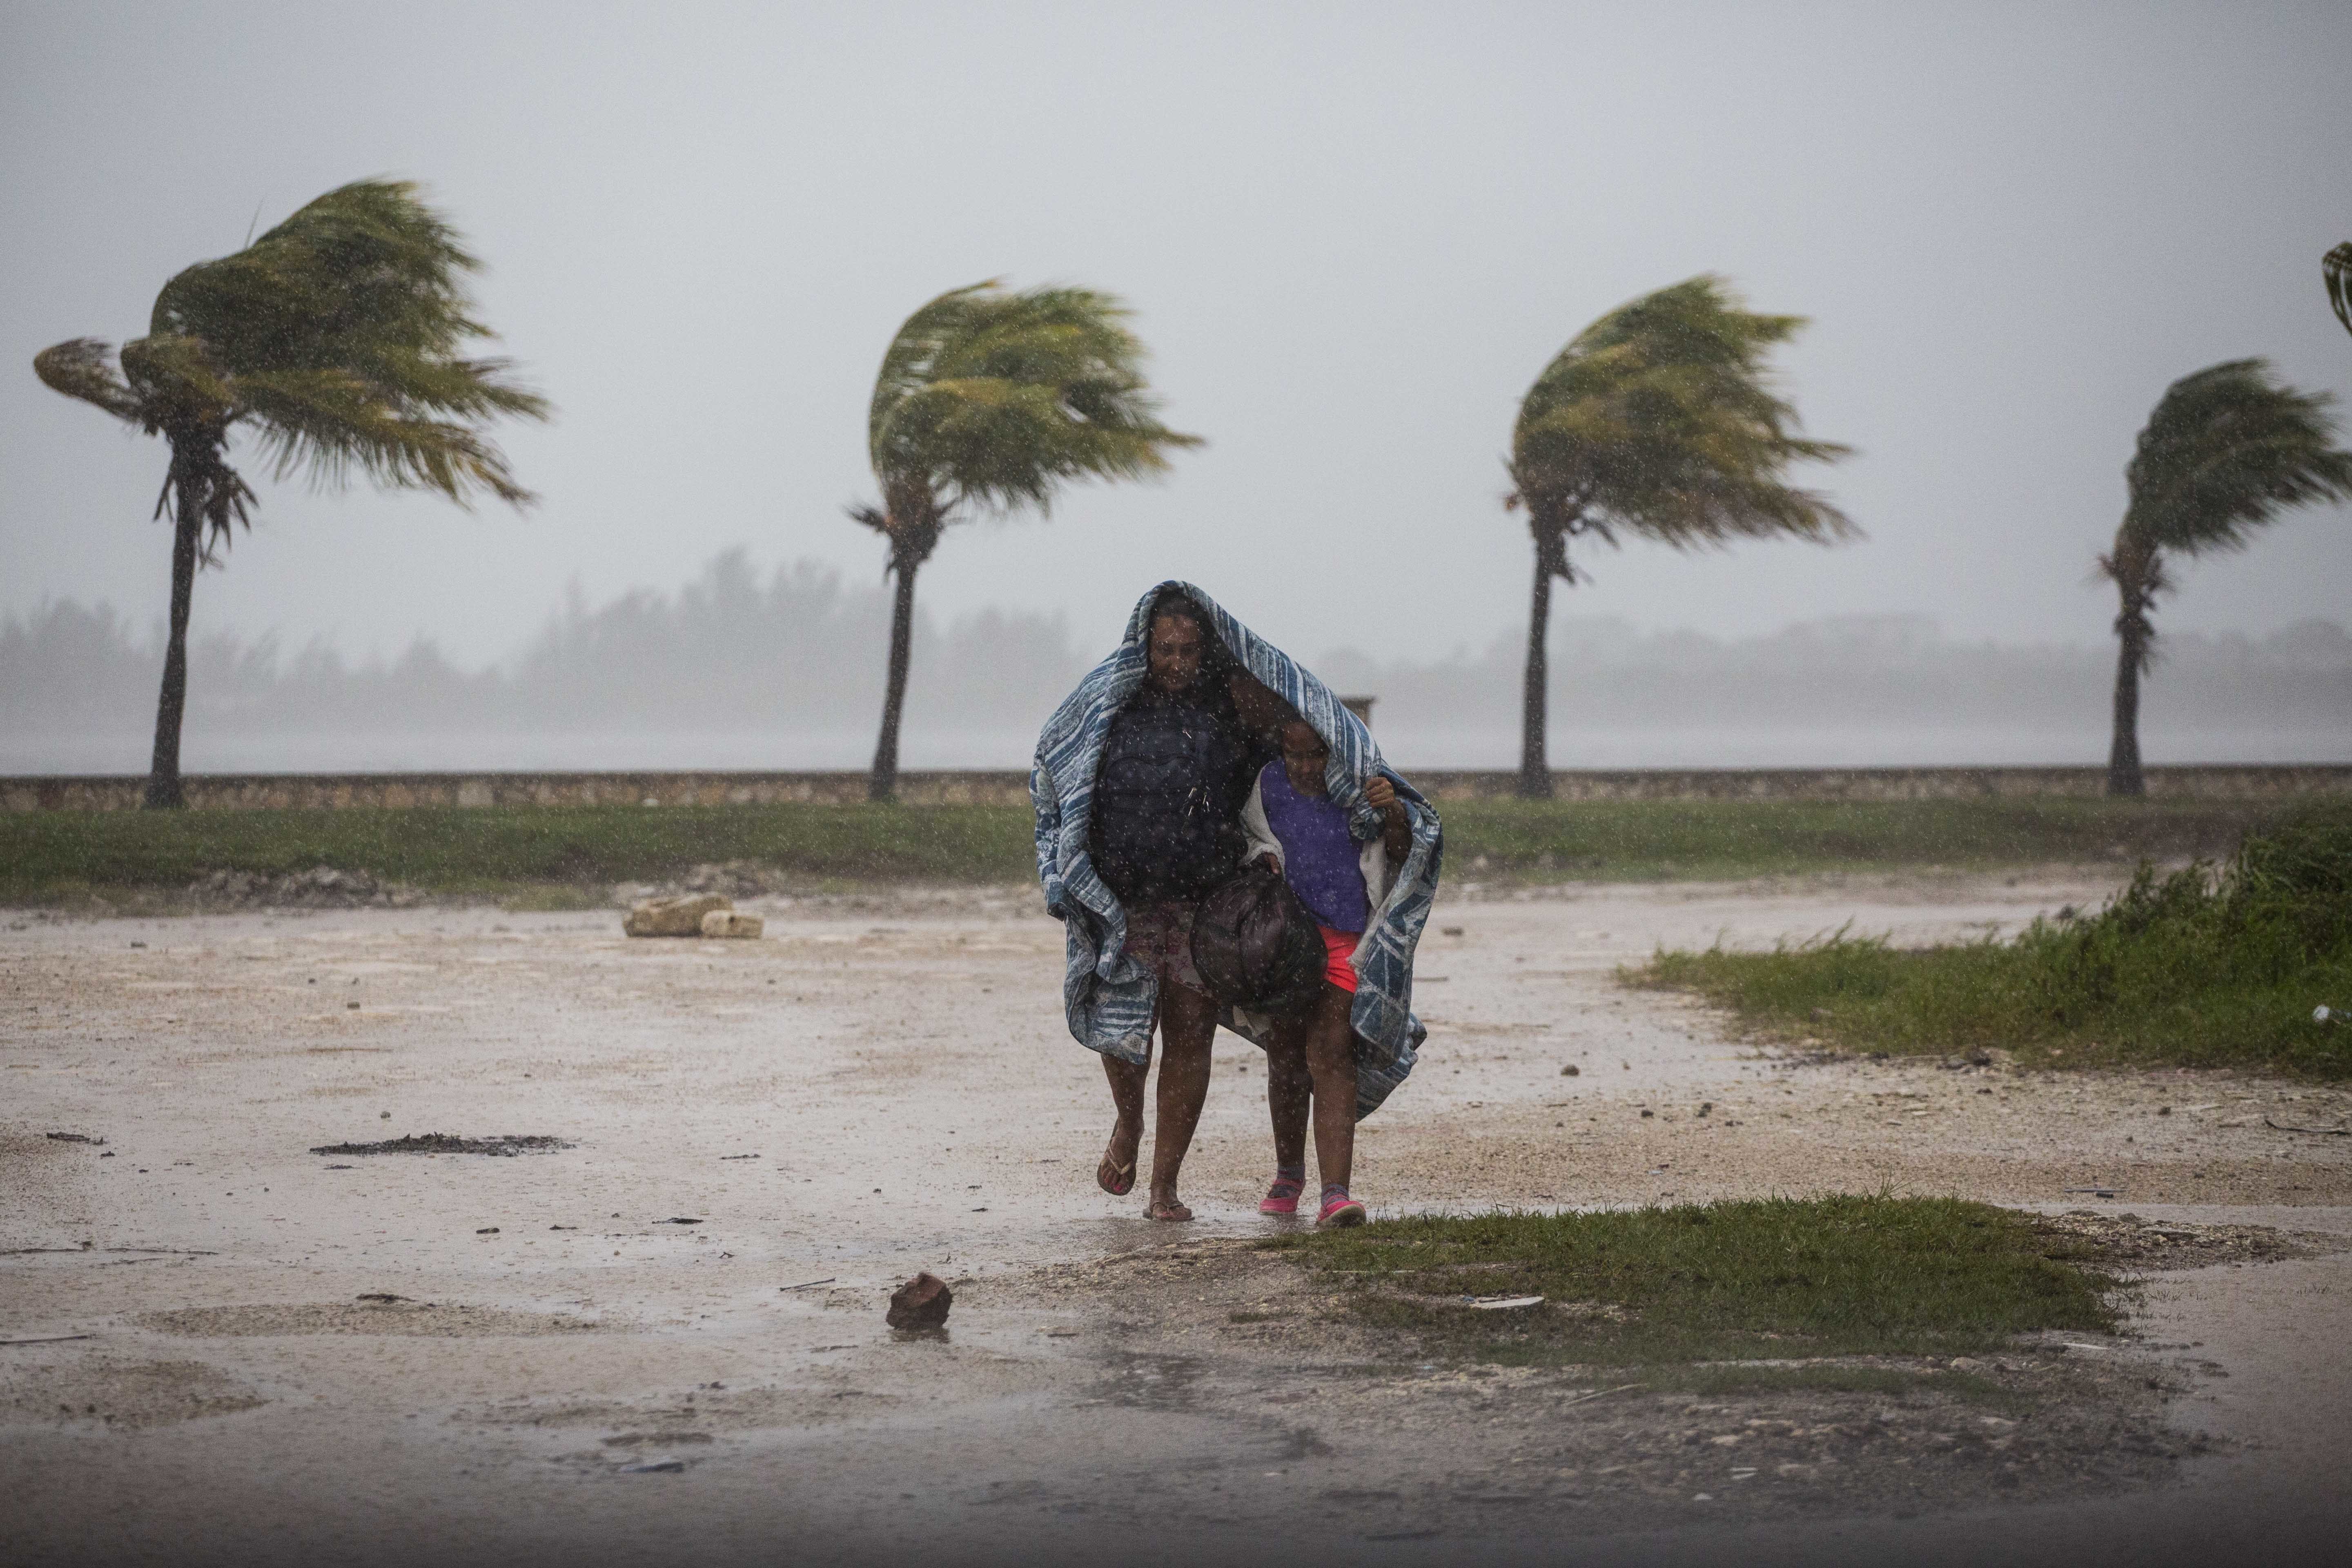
(1353, 233)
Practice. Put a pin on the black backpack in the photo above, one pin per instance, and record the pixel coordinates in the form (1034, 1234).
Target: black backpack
(1256, 946)
(1167, 803)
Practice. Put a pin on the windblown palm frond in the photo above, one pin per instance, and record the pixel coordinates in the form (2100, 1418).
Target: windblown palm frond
(336, 337)
(993, 399)
(339, 334)
(78, 368)
(2335, 272)
(2226, 452)
(1659, 419)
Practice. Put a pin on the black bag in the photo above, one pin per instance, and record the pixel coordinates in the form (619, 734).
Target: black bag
(1256, 946)
(1167, 802)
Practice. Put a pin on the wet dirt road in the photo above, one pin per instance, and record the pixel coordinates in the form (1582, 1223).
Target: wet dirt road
(883, 1084)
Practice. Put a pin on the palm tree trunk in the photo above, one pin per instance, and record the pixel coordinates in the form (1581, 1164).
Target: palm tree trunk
(2122, 755)
(883, 783)
(1534, 769)
(163, 791)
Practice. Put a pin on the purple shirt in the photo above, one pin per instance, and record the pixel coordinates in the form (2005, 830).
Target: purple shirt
(1320, 858)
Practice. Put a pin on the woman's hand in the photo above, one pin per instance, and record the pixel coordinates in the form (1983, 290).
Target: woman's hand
(1380, 792)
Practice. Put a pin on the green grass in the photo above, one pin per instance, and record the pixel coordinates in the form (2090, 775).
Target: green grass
(52, 855)
(1656, 840)
(2196, 969)
(47, 856)
(1777, 1279)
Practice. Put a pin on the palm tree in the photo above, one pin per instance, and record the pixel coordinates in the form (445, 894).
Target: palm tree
(988, 402)
(334, 338)
(2335, 272)
(2226, 451)
(1658, 420)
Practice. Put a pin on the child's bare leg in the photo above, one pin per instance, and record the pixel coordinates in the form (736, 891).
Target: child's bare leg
(1330, 1041)
(1289, 1090)
(1288, 1087)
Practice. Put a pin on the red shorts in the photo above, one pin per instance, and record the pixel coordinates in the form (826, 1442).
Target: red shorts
(1338, 946)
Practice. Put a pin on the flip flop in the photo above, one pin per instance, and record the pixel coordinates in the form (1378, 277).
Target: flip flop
(1170, 1212)
(1121, 1180)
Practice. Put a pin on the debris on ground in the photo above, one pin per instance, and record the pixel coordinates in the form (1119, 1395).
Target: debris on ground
(2148, 1244)
(2339, 1130)
(76, 1138)
(674, 917)
(320, 888)
(921, 1302)
(732, 923)
(448, 1144)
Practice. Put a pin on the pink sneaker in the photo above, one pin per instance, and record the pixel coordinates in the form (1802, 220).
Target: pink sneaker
(1282, 1198)
(1340, 1211)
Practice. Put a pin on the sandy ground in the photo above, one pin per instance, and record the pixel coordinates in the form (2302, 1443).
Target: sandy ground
(301, 1358)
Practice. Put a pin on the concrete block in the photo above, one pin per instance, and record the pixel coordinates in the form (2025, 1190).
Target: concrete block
(728, 922)
(675, 917)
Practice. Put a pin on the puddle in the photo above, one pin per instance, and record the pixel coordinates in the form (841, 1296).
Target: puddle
(376, 1316)
(1146, 1382)
(448, 1143)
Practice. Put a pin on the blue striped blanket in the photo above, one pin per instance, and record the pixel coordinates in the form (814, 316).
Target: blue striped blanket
(1109, 996)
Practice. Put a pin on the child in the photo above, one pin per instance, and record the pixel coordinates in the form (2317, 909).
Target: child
(1295, 827)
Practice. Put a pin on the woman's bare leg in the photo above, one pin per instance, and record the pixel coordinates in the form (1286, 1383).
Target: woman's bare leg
(1188, 1022)
(1115, 1174)
(1330, 1041)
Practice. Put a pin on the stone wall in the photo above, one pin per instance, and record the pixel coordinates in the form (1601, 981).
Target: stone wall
(246, 792)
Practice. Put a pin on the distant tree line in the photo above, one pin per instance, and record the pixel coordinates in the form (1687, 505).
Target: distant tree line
(788, 655)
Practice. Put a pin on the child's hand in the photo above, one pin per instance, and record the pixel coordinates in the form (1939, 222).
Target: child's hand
(1380, 792)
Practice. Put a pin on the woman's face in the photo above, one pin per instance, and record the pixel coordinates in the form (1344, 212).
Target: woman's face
(1174, 651)
(1304, 756)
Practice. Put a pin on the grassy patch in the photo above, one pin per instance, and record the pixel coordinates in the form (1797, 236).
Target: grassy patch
(50, 856)
(499, 849)
(2197, 968)
(1776, 1279)
(1643, 840)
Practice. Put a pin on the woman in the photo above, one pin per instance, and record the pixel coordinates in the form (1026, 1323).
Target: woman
(1166, 830)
